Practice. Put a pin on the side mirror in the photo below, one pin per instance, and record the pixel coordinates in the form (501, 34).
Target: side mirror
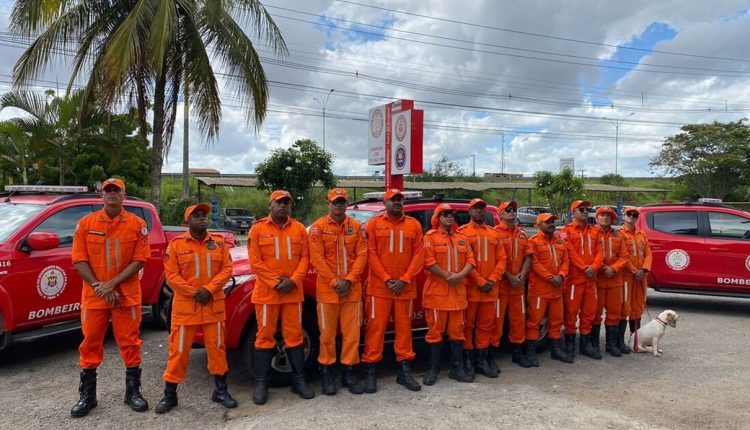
(42, 241)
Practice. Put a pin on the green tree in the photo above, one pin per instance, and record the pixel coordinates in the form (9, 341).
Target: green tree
(559, 190)
(143, 53)
(297, 170)
(443, 170)
(612, 179)
(711, 159)
(15, 151)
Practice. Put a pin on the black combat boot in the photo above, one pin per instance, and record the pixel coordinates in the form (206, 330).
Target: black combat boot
(631, 324)
(262, 364)
(327, 380)
(296, 357)
(349, 379)
(221, 393)
(133, 396)
(470, 365)
(458, 368)
(436, 349)
(519, 357)
(531, 353)
(405, 377)
(611, 339)
(483, 363)
(594, 336)
(169, 400)
(557, 352)
(588, 350)
(494, 369)
(87, 391)
(621, 327)
(371, 378)
(570, 346)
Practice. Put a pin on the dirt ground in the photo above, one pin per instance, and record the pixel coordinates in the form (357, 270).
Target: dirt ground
(701, 382)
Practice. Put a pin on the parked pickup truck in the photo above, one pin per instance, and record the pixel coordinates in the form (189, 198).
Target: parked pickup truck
(40, 291)
(236, 219)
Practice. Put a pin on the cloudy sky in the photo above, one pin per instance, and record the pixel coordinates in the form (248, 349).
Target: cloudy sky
(549, 79)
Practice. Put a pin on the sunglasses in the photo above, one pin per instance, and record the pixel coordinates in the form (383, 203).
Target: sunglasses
(339, 202)
(509, 209)
(632, 215)
(583, 209)
(447, 214)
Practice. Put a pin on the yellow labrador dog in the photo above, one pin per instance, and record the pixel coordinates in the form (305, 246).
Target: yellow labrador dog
(648, 337)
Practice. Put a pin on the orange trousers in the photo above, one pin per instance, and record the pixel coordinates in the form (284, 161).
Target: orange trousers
(480, 316)
(378, 311)
(637, 298)
(349, 315)
(180, 341)
(580, 307)
(538, 307)
(609, 299)
(442, 322)
(268, 318)
(125, 328)
(515, 306)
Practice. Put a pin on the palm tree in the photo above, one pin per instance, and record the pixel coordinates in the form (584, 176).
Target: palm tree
(14, 149)
(142, 52)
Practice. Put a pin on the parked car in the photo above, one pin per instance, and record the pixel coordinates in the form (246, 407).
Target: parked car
(527, 214)
(698, 248)
(40, 290)
(236, 219)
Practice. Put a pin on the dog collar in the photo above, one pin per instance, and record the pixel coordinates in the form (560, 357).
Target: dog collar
(662, 322)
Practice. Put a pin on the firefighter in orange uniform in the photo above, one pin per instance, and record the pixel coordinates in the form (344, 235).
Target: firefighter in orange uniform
(511, 292)
(448, 260)
(338, 251)
(395, 258)
(197, 266)
(585, 254)
(609, 282)
(110, 247)
(635, 276)
(278, 254)
(549, 267)
(482, 285)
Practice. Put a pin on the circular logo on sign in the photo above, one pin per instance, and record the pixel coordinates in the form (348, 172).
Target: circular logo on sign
(376, 124)
(677, 259)
(747, 262)
(400, 157)
(400, 128)
(51, 282)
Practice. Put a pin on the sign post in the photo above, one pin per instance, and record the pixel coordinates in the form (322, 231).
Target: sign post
(395, 140)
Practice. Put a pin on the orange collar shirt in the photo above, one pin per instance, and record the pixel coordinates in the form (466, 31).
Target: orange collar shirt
(549, 257)
(451, 252)
(191, 264)
(338, 252)
(490, 260)
(109, 245)
(614, 254)
(639, 252)
(515, 241)
(394, 251)
(276, 252)
(584, 249)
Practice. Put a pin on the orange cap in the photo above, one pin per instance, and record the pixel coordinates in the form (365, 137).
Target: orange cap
(117, 182)
(502, 205)
(278, 195)
(442, 207)
(606, 210)
(545, 217)
(200, 206)
(578, 203)
(475, 202)
(392, 193)
(632, 210)
(336, 193)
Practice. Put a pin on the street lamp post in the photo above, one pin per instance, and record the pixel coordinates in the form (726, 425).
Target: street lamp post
(323, 106)
(617, 132)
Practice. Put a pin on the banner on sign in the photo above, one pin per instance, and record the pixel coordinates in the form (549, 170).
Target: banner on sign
(376, 137)
(401, 143)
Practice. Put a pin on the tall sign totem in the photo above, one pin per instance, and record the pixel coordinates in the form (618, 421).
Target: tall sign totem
(395, 140)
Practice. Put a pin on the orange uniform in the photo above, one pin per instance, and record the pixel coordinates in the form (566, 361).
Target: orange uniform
(395, 251)
(609, 290)
(189, 265)
(511, 300)
(639, 257)
(338, 251)
(109, 245)
(584, 250)
(490, 262)
(276, 252)
(549, 257)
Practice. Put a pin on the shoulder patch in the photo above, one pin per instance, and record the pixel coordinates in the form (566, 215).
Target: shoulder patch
(144, 231)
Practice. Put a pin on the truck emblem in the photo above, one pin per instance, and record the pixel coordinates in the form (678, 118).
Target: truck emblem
(51, 282)
(677, 259)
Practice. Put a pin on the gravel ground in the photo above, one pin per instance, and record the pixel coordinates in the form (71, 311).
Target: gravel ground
(701, 382)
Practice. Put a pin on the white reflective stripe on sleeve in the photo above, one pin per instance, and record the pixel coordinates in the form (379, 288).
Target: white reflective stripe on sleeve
(218, 334)
(401, 242)
(132, 312)
(109, 257)
(625, 291)
(523, 304)
(288, 248)
(390, 244)
(322, 317)
(117, 254)
(538, 302)
(182, 338)
(372, 307)
(209, 273)
(572, 291)
(276, 248)
(449, 259)
(265, 315)
(197, 265)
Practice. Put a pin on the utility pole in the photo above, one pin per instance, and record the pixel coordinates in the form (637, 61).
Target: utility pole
(473, 165)
(186, 147)
(323, 106)
(502, 154)
(582, 172)
(617, 131)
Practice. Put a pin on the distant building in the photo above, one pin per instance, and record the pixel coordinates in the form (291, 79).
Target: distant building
(199, 171)
(492, 176)
(567, 163)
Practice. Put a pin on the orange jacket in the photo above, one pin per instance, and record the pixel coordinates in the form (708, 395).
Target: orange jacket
(614, 254)
(515, 241)
(189, 265)
(276, 252)
(395, 251)
(584, 249)
(451, 252)
(338, 251)
(549, 257)
(109, 246)
(490, 260)
(639, 252)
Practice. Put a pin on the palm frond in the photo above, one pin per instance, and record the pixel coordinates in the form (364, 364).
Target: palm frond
(253, 12)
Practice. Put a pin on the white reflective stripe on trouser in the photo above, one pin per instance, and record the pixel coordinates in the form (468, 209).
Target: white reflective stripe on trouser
(265, 313)
(523, 304)
(322, 317)
(625, 291)
(538, 302)
(372, 307)
(132, 312)
(434, 315)
(497, 308)
(182, 338)
(218, 333)
(83, 315)
(572, 291)
(300, 313)
(411, 307)
(359, 314)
